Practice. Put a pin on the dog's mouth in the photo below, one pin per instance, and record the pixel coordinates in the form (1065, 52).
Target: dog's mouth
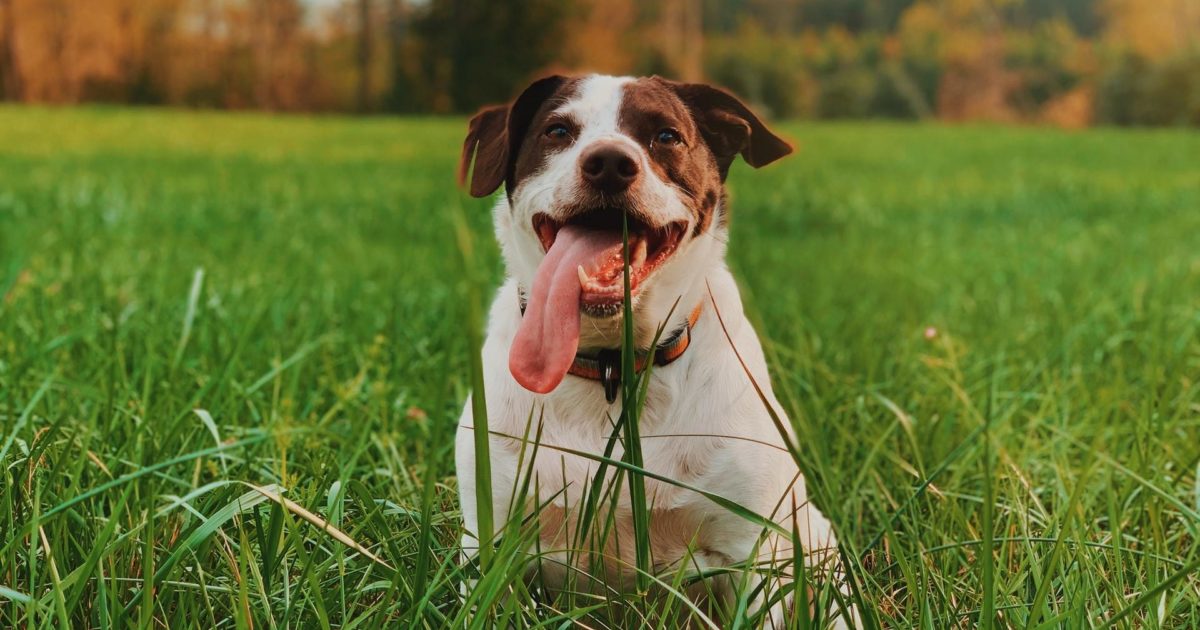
(582, 273)
(601, 273)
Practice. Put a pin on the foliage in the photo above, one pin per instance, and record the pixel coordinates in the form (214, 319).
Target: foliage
(1065, 62)
(192, 302)
(762, 68)
(948, 60)
(1135, 91)
(479, 61)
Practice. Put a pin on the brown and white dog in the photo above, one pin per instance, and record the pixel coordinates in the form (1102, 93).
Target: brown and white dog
(573, 155)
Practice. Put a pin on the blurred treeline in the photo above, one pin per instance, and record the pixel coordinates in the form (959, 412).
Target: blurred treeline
(1066, 62)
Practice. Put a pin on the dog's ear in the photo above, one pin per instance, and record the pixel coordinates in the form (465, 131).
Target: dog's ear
(494, 137)
(729, 127)
(487, 143)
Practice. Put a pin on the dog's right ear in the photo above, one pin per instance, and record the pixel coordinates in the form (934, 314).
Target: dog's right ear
(495, 134)
(487, 143)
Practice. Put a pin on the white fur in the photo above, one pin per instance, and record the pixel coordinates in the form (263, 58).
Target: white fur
(706, 392)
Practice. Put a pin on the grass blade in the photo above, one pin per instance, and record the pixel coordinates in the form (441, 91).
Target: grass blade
(25, 414)
(14, 595)
(724, 502)
(1051, 568)
(81, 575)
(198, 535)
(987, 612)
(631, 414)
(273, 494)
(1147, 597)
(474, 327)
(189, 316)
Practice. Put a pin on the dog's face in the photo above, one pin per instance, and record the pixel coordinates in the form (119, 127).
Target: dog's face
(577, 156)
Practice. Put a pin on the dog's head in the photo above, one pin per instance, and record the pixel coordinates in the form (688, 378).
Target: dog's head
(575, 156)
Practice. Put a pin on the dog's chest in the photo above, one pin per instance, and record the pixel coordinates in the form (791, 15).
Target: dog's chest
(578, 428)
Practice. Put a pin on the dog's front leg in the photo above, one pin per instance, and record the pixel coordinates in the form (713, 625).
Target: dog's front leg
(503, 472)
(464, 463)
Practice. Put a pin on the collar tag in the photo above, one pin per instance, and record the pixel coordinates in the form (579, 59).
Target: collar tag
(610, 373)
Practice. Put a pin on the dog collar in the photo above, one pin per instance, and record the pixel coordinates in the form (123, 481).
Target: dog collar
(605, 365)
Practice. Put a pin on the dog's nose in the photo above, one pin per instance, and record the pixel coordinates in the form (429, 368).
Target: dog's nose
(609, 168)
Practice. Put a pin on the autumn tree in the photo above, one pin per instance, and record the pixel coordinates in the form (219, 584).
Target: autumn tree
(279, 57)
(10, 77)
(478, 51)
(1152, 30)
(403, 93)
(1059, 61)
(681, 38)
(606, 36)
(364, 55)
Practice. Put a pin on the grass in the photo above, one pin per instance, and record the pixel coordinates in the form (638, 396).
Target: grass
(212, 325)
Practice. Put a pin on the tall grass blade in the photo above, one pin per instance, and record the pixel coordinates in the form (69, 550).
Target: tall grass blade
(1147, 597)
(273, 494)
(25, 414)
(14, 595)
(209, 424)
(631, 413)
(189, 317)
(425, 535)
(474, 332)
(98, 547)
(987, 613)
(783, 430)
(243, 503)
(1036, 606)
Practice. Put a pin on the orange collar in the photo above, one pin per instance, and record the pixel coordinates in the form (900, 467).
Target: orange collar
(605, 365)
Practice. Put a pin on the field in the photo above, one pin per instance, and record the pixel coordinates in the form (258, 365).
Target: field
(957, 318)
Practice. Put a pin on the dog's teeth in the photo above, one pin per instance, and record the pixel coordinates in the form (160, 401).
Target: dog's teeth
(639, 253)
(583, 277)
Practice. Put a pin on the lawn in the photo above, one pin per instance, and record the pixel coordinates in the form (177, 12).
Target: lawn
(194, 305)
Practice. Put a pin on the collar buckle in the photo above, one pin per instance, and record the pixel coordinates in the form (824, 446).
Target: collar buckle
(610, 373)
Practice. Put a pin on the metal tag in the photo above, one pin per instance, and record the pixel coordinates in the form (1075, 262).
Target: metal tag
(610, 373)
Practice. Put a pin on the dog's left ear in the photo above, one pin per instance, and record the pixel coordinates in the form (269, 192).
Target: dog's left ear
(729, 127)
(495, 134)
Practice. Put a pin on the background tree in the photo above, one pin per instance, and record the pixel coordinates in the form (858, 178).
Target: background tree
(10, 75)
(364, 55)
(1067, 62)
(681, 38)
(1152, 30)
(606, 35)
(477, 51)
(403, 94)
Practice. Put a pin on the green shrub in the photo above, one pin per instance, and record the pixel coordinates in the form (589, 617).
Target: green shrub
(1136, 91)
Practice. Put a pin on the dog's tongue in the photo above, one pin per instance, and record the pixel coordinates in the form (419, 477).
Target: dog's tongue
(548, 338)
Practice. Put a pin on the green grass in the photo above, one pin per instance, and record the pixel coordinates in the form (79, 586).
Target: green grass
(194, 303)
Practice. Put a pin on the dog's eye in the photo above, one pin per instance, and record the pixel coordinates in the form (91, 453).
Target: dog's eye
(558, 131)
(668, 136)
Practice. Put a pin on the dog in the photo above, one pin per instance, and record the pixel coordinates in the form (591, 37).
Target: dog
(575, 156)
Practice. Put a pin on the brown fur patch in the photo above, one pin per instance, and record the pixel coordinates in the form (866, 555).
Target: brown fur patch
(652, 105)
(536, 146)
(497, 135)
(714, 126)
